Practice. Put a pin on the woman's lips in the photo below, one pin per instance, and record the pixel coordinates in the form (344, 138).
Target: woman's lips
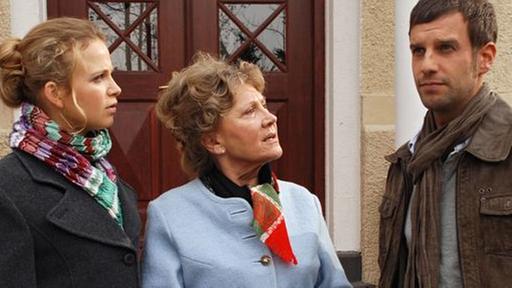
(271, 137)
(112, 108)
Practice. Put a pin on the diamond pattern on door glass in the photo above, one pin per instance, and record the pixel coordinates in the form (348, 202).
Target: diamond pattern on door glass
(252, 15)
(144, 36)
(231, 37)
(273, 37)
(104, 28)
(131, 32)
(254, 55)
(125, 59)
(255, 33)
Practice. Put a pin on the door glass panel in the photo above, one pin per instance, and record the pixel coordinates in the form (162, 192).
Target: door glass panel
(252, 15)
(145, 37)
(103, 26)
(254, 55)
(123, 14)
(127, 18)
(125, 59)
(231, 37)
(249, 22)
(273, 37)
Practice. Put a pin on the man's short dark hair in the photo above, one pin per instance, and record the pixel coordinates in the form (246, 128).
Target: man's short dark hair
(479, 14)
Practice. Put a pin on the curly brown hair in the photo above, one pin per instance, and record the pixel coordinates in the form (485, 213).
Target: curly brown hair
(194, 100)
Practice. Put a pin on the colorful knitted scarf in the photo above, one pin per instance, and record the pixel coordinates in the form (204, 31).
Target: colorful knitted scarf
(79, 158)
(268, 222)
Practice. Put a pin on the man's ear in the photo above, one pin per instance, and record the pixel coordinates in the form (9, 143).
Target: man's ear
(212, 144)
(486, 56)
(53, 94)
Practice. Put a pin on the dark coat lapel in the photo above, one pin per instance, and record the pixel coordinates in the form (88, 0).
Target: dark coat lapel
(131, 220)
(78, 213)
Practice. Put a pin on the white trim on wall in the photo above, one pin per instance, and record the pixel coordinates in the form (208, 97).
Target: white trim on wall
(408, 107)
(343, 123)
(25, 15)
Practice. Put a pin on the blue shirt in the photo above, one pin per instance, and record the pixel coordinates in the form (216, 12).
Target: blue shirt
(197, 239)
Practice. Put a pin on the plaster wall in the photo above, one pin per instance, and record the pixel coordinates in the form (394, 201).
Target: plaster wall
(376, 141)
(500, 75)
(378, 119)
(377, 62)
(4, 18)
(5, 112)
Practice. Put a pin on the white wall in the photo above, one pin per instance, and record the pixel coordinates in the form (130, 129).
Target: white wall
(25, 14)
(408, 107)
(343, 123)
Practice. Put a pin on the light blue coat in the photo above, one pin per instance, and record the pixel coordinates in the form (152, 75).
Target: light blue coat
(197, 239)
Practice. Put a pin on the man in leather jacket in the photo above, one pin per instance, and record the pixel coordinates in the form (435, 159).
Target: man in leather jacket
(446, 214)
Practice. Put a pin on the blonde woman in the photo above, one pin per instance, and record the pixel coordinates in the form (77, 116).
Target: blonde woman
(66, 219)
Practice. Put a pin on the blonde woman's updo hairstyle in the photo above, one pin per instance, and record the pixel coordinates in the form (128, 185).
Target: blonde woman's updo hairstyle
(194, 100)
(47, 53)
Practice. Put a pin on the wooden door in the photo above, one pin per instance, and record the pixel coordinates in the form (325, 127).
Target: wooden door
(148, 39)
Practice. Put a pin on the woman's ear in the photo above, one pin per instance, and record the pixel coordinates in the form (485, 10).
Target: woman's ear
(53, 94)
(211, 143)
(486, 56)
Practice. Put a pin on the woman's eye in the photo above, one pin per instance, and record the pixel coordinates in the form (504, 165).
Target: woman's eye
(98, 77)
(250, 110)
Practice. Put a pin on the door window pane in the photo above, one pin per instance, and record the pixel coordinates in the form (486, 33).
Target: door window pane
(252, 15)
(273, 37)
(254, 55)
(131, 33)
(231, 37)
(260, 28)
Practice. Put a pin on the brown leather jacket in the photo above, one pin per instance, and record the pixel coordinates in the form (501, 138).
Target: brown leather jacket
(483, 208)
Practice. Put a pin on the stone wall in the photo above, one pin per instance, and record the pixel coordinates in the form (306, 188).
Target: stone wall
(500, 75)
(377, 62)
(5, 112)
(378, 119)
(377, 141)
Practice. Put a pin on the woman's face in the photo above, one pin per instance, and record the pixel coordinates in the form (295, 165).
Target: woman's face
(247, 133)
(95, 90)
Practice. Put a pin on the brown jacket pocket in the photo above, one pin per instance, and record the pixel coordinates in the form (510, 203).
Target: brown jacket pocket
(496, 224)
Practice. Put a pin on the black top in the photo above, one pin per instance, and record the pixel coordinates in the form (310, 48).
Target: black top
(223, 187)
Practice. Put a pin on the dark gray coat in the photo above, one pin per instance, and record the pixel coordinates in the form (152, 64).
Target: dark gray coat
(53, 234)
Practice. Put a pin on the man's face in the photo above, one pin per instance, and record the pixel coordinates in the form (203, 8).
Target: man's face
(444, 65)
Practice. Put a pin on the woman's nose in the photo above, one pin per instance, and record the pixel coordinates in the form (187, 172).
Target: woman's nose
(114, 89)
(269, 119)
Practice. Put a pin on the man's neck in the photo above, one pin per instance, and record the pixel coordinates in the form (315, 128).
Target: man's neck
(442, 118)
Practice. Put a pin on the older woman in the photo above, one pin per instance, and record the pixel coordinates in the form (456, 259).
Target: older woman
(235, 225)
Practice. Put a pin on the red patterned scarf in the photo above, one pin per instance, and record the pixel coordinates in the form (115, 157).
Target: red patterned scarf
(79, 158)
(269, 223)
